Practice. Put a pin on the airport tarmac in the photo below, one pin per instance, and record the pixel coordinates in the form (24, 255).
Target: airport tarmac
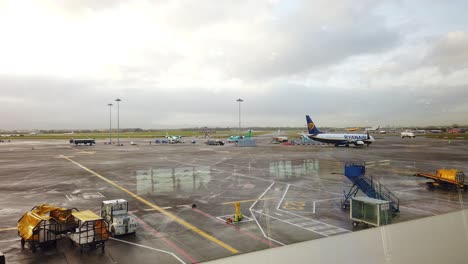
(288, 194)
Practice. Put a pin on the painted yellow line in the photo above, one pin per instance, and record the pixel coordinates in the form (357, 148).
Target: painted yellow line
(161, 210)
(246, 201)
(8, 229)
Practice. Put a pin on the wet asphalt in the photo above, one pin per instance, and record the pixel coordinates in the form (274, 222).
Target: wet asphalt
(181, 194)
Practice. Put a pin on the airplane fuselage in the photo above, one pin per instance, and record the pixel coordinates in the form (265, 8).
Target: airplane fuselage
(343, 139)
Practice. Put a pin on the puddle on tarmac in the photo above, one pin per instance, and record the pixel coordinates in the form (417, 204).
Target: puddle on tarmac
(284, 170)
(182, 179)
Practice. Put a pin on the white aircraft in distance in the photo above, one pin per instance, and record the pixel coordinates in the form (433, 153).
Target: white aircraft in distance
(70, 133)
(174, 139)
(373, 129)
(337, 139)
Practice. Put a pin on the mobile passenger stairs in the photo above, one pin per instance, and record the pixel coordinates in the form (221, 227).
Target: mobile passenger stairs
(370, 186)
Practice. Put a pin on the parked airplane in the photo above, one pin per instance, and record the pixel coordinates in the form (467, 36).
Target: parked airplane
(233, 139)
(174, 139)
(373, 129)
(337, 139)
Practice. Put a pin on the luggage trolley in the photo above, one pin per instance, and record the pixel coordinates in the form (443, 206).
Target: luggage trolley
(92, 231)
(43, 225)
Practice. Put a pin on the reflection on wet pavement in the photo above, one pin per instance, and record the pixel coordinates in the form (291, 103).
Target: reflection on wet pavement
(182, 179)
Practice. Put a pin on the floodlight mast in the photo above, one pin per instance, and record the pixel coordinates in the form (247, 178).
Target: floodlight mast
(240, 101)
(118, 121)
(110, 123)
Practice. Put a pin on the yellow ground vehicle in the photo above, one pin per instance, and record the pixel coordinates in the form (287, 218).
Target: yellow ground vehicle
(44, 224)
(445, 178)
(91, 231)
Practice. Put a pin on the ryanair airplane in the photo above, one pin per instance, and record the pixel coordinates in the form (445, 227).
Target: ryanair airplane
(337, 139)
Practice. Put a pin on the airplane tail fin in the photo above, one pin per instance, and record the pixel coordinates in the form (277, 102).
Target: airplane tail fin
(311, 126)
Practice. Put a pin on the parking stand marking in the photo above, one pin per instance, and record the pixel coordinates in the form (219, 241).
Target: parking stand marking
(159, 209)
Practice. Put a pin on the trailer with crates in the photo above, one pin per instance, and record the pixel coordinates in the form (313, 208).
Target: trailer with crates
(91, 231)
(374, 212)
(445, 178)
(44, 224)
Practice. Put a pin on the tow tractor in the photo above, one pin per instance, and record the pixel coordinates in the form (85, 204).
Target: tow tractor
(115, 213)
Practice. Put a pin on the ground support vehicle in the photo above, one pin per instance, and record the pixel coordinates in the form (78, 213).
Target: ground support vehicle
(44, 225)
(115, 213)
(91, 231)
(83, 141)
(407, 134)
(446, 178)
(367, 184)
(214, 142)
(370, 211)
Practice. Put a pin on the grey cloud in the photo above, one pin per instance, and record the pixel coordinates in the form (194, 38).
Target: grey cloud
(300, 41)
(449, 53)
(69, 105)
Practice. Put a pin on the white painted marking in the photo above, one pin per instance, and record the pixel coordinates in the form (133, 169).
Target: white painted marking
(255, 218)
(278, 214)
(313, 220)
(410, 189)
(281, 220)
(68, 197)
(369, 166)
(143, 246)
(10, 240)
(151, 209)
(384, 160)
(313, 204)
(282, 198)
(224, 217)
(419, 210)
(384, 164)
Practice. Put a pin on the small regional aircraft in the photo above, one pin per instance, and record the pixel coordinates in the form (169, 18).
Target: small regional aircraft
(337, 139)
(233, 139)
(174, 139)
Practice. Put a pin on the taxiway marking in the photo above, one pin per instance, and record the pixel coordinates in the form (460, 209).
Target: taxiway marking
(255, 218)
(245, 232)
(10, 240)
(252, 200)
(143, 246)
(164, 239)
(8, 229)
(160, 209)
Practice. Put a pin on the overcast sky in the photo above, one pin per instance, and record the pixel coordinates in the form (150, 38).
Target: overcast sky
(184, 63)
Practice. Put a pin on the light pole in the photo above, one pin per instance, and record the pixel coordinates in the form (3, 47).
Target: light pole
(118, 121)
(110, 123)
(240, 101)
